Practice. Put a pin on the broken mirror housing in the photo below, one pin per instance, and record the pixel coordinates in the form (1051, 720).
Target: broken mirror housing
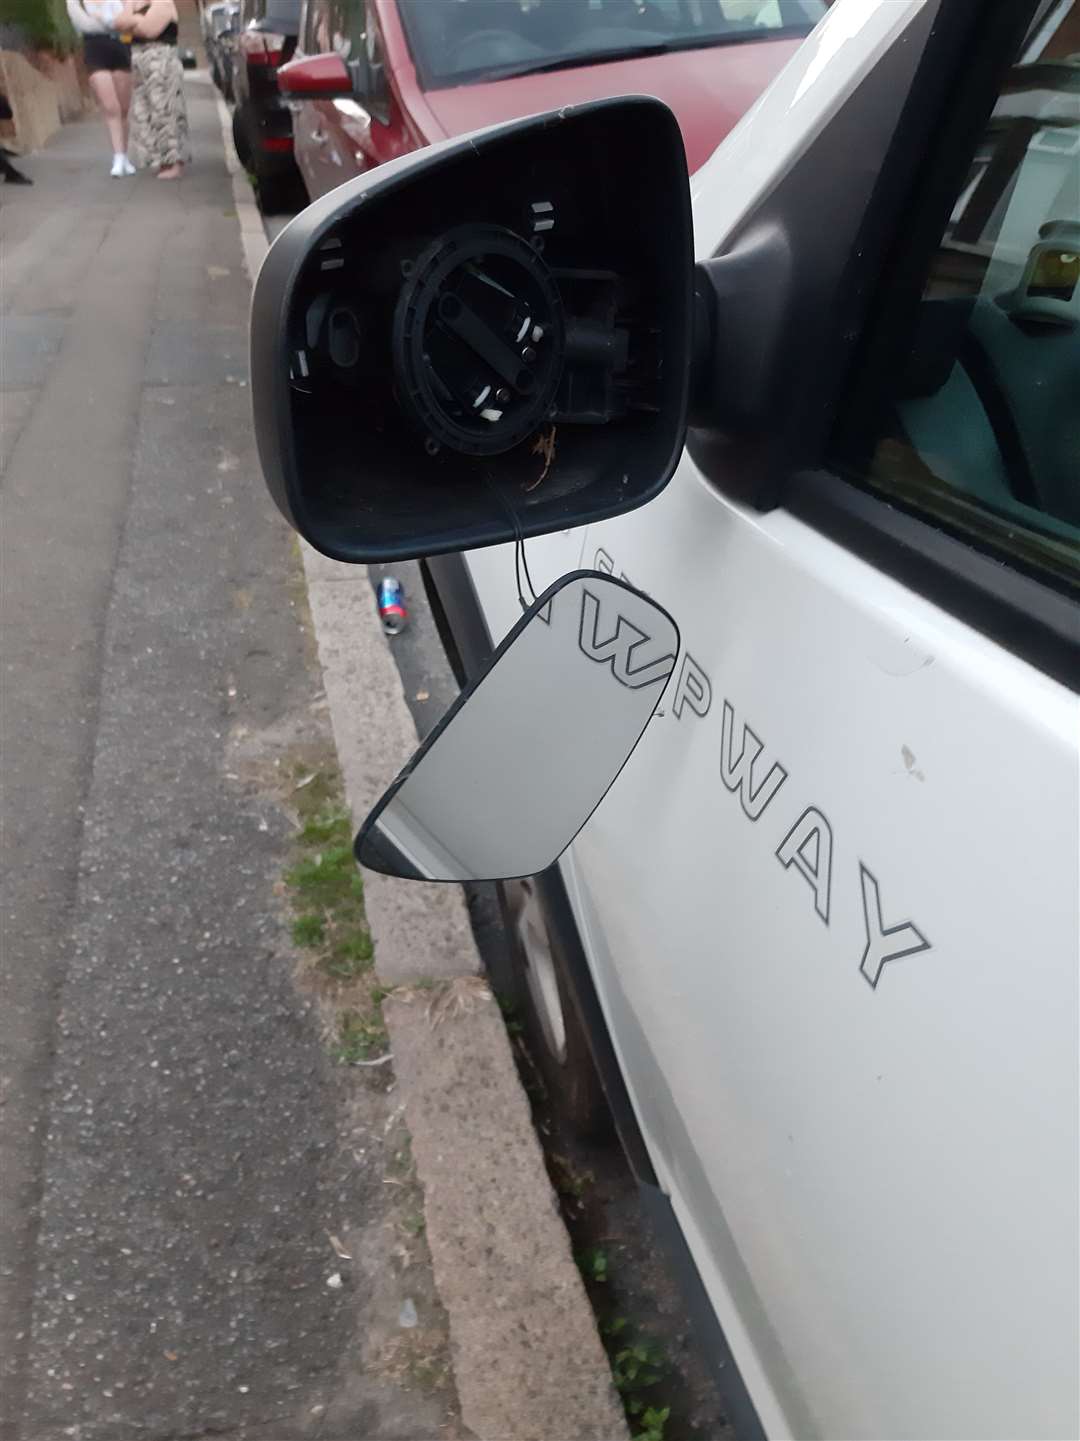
(485, 339)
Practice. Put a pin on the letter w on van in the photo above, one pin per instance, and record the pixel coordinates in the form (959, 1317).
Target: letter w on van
(620, 648)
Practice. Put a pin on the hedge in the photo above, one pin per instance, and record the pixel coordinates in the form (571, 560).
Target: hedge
(43, 24)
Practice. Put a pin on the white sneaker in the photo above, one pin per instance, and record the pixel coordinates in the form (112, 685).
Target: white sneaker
(129, 169)
(117, 170)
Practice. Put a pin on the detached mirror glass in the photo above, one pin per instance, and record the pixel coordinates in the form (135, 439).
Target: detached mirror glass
(524, 757)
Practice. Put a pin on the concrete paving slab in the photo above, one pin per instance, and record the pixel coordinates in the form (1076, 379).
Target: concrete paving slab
(196, 352)
(30, 343)
(24, 240)
(15, 406)
(31, 287)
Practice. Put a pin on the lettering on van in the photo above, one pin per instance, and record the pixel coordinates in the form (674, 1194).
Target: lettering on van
(617, 650)
(757, 778)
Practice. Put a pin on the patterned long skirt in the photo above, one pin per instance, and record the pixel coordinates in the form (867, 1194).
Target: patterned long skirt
(159, 123)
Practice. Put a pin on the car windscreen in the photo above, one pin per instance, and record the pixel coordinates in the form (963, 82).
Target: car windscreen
(454, 42)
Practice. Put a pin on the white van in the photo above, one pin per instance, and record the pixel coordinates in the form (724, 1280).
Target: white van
(822, 934)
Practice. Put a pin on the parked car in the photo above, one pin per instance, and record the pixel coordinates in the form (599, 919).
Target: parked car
(374, 79)
(820, 932)
(262, 122)
(220, 25)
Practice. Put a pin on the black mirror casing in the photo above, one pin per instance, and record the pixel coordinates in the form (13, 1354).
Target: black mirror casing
(483, 339)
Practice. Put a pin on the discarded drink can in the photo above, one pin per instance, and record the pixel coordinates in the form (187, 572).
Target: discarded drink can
(392, 610)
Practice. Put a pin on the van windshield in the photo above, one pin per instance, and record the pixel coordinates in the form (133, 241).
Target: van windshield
(455, 42)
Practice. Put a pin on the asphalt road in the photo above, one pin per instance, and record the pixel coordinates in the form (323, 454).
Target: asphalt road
(176, 1144)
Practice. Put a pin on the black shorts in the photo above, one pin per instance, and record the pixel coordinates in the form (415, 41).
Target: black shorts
(105, 52)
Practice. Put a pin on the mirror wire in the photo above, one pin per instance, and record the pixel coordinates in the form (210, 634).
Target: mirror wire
(517, 573)
(521, 562)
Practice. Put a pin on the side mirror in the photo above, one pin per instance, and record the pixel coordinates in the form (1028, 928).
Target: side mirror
(525, 755)
(485, 339)
(315, 77)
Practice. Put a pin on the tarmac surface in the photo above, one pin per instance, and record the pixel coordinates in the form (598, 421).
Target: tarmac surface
(164, 1254)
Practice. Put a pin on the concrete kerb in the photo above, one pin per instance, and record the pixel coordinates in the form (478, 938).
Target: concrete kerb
(420, 932)
(528, 1363)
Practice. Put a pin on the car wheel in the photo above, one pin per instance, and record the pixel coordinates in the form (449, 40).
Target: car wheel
(554, 1032)
(279, 195)
(242, 140)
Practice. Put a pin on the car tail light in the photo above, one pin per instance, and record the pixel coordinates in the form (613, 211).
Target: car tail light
(262, 47)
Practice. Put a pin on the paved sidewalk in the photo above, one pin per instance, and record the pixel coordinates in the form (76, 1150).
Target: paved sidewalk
(164, 1251)
(525, 1351)
(207, 1227)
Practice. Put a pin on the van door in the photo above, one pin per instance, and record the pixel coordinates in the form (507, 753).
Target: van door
(839, 953)
(831, 903)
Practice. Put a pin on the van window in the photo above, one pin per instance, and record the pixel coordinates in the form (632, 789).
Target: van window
(494, 39)
(981, 429)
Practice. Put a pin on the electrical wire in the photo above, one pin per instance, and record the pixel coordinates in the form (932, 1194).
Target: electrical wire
(528, 577)
(521, 562)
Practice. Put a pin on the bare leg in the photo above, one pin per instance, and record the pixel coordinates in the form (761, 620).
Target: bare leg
(122, 81)
(103, 84)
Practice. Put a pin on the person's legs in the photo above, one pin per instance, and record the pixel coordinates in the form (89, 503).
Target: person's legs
(122, 81)
(142, 129)
(103, 84)
(162, 75)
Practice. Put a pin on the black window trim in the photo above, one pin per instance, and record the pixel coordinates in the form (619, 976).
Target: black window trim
(1027, 617)
(1033, 617)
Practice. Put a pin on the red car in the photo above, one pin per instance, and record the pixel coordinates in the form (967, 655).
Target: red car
(373, 79)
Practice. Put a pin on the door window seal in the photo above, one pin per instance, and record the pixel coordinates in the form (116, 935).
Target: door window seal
(1024, 615)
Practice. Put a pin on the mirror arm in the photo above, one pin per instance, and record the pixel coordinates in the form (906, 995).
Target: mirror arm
(702, 348)
(742, 303)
